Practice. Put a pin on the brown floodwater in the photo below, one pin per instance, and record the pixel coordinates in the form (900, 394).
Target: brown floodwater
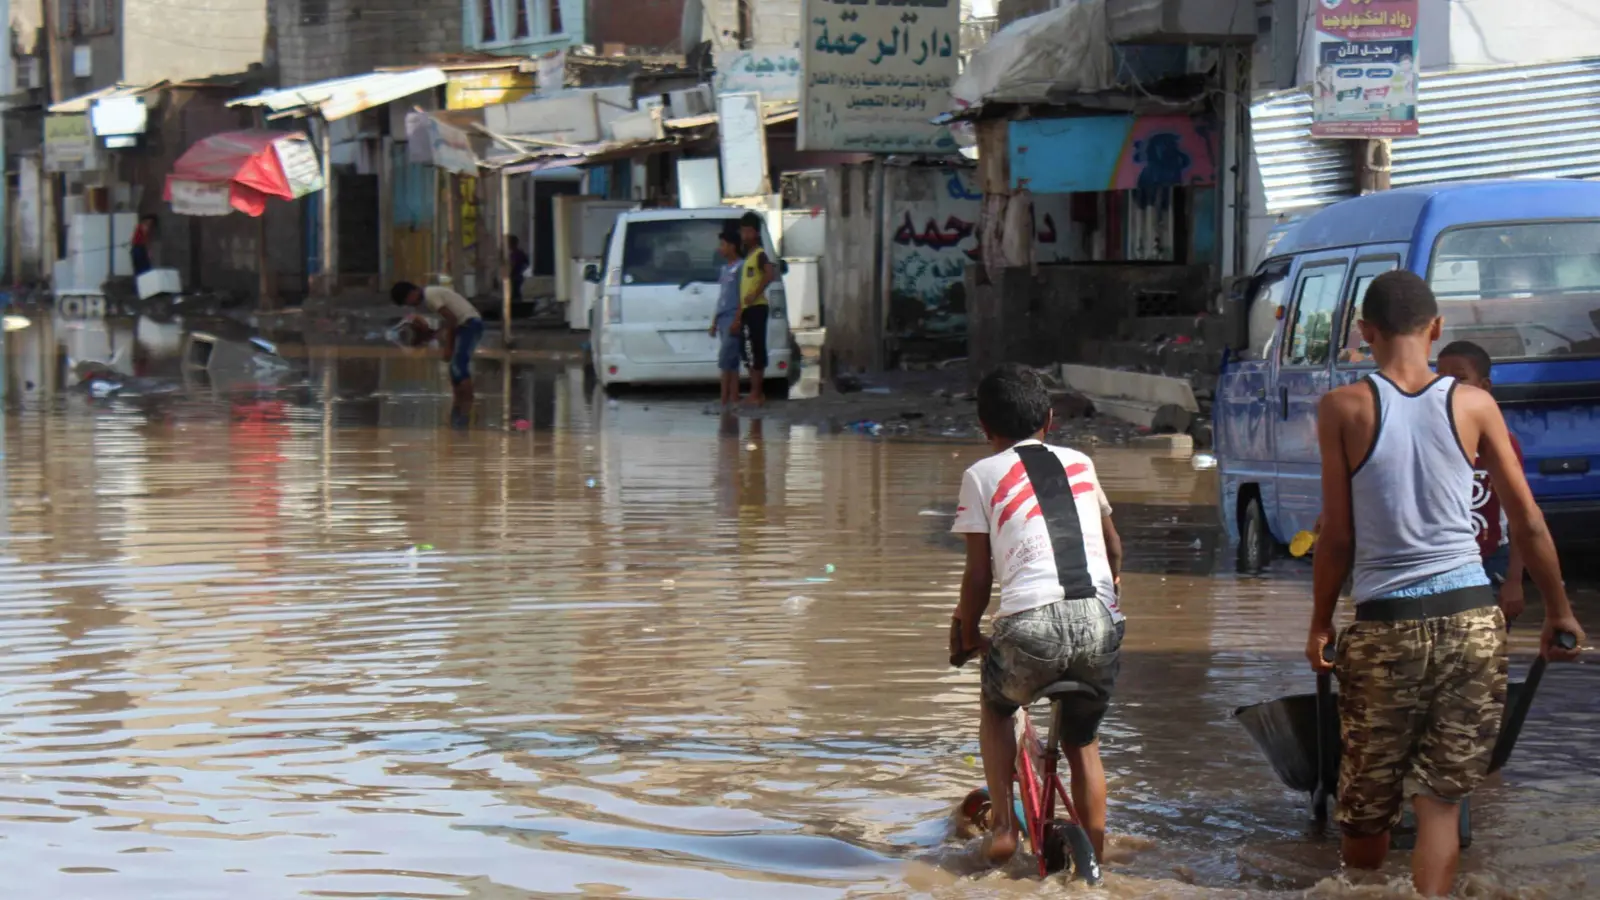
(292, 635)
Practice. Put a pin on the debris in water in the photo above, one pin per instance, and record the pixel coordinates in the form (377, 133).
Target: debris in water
(828, 568)
(797, 603)
(1203, 461)
(591, 483)
(1198, 544)
(668, 583)
(971, 760)
(751, 446)
(522, 424)
(935, 514)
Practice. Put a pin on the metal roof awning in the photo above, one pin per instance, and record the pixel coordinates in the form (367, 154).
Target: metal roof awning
(558, 156)
(342, 97)
(81, 104)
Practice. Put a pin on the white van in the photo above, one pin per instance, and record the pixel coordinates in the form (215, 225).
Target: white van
(658, 293)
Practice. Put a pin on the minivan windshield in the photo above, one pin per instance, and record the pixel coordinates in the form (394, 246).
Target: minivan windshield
(672, 251)
(1521, 290)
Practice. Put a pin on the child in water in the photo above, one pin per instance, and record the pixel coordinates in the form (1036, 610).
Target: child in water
(1036, 520)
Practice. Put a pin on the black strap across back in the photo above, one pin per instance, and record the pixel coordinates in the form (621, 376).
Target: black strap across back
(1053, 492)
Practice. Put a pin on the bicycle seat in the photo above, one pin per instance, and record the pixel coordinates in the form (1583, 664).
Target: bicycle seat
(1062, 690)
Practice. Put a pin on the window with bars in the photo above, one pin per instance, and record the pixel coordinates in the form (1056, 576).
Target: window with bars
(86, 17)
(504, 22)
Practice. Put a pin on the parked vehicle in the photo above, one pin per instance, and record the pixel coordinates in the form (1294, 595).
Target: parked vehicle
(1516, 268)
(658, 283)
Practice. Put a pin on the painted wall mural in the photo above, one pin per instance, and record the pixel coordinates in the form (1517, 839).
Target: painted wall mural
(1113, 153)
(935, 217)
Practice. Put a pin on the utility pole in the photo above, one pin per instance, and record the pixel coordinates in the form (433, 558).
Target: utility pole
(1372, 164)
(51, 182)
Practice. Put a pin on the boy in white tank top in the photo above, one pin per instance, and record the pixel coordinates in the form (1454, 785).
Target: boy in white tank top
(1422, 671)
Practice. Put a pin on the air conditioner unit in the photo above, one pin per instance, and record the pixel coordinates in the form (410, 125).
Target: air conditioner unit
(695, 101)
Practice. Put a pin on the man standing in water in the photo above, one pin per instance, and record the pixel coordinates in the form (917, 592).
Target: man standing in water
(757, 273)
(1422, 671)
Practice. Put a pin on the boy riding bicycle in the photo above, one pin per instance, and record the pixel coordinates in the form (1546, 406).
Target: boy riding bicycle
(1034, 516)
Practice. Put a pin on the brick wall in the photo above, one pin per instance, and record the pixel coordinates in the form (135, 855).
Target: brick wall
(647, 24)
(320, 39)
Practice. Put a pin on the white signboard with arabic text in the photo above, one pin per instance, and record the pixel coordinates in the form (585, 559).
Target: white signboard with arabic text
(874, 72)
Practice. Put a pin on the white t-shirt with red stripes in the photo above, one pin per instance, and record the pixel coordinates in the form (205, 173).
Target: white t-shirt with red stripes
(997, 499)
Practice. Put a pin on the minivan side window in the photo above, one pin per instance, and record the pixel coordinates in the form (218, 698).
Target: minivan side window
(1316, 304)
(1267, 294)
(1355, 350)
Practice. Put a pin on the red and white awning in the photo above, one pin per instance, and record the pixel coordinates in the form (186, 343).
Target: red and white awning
(239, 170)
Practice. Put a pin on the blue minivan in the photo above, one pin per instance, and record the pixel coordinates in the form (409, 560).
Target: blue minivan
(1516, 268)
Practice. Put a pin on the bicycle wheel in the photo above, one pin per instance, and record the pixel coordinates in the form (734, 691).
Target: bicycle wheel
(1067, 841)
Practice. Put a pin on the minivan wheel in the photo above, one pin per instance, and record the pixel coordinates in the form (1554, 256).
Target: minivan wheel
(1255, 540)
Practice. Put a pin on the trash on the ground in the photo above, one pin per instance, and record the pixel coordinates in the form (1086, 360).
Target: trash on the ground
(1198, 544)
(1171, 419)
(1204, 461)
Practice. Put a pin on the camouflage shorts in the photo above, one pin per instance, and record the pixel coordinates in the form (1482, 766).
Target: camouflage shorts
(1419, 708)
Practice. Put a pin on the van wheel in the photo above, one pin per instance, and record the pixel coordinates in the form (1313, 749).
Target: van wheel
(1255, 539)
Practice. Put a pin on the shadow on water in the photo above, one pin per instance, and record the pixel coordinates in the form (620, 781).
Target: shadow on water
(269, 636)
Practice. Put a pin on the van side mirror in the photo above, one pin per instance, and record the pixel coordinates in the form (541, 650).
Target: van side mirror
(783, 267)
(591, 273)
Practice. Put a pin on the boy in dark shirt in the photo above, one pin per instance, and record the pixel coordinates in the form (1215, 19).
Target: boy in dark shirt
(1468, 363)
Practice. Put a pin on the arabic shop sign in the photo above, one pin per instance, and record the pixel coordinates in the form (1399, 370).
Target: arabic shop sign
(874, 72)
(69, 144)
(772, 72)
(1366, 79)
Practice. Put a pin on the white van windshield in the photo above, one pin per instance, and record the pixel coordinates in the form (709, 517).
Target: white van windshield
(1522, 290)
(672, 251)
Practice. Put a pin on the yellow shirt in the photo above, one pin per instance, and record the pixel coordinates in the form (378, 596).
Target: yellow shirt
(750, 277)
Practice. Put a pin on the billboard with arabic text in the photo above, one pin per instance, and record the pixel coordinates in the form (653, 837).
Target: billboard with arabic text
(875, 72)
(1365, 84)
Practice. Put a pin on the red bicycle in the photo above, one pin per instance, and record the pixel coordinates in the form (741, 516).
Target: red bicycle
(1057, 841)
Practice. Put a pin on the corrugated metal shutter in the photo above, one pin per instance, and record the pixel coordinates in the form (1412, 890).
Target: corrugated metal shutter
(1522, 121)
(1295, 170)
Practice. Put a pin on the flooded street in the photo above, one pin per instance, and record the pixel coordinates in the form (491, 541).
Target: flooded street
(295, 636)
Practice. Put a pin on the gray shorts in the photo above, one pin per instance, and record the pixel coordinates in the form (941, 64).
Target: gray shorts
(730, 347)
(1072, 640)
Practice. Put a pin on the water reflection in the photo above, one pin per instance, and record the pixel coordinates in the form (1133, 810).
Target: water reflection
(295, 635)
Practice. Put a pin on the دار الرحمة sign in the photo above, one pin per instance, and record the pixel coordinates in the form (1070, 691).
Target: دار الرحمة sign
(875, 72)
